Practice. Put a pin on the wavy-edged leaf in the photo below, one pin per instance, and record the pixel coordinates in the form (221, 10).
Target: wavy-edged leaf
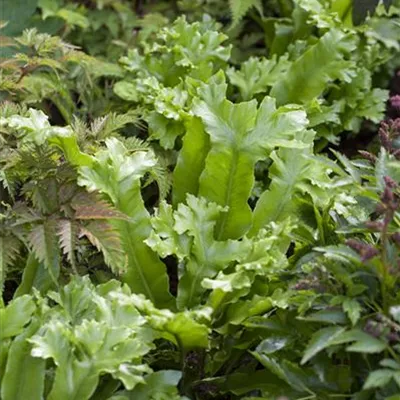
(361, 9)
(94, 330)
(117, 173)
(257, 75)
(68, 143)
(240, 135)
(188, 233)
(319, 65)
(160, 383)
(187, 329)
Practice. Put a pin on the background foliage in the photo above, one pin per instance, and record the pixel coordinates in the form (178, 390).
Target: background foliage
(200, 200)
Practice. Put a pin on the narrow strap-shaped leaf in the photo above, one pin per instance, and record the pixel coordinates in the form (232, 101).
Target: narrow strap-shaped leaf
(35, 275)
(24, 375)
(191, 161)
(322, 63)
(240, 135)
(227, 178)
(117, 174)
(74, 381)
(145, 272)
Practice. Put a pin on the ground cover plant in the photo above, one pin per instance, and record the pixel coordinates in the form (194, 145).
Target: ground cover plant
(200, 200)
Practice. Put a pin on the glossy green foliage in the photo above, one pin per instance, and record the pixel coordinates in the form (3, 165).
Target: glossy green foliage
(175, 223)
(240, 135)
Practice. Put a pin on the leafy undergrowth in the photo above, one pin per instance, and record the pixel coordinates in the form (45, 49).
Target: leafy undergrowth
(200, 200)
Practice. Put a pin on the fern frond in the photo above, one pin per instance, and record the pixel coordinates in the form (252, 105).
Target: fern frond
(8, 108)
(67, 232)
(8, 185)
(107, 240)
(91, 206)
(133, 143)
(160, 174)
(104, 127)
(239, 8)
(43, 242)
(79, 127)
(44, 194)
(9, 249)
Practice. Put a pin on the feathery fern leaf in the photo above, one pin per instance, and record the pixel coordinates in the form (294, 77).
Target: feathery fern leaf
(9, 249)
(104, 127)
(68, 232)
(91, 206)
(43, 241)
(107, 240)
(239, 8)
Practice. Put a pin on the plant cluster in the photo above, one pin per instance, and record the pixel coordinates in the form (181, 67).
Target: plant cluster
(180, 214)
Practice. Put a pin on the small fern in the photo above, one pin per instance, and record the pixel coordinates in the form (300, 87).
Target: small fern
(239, 8)
(106, 239)
(9, 250)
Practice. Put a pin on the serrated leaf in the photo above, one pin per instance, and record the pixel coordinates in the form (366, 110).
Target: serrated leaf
(240, 7)
(43, 240)
(88, 206)
(363, 342)
(295, 376)
(9, 249)
(68, 233)
(353, 309)
(106, 239)
(321, 340)
(378, 379)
